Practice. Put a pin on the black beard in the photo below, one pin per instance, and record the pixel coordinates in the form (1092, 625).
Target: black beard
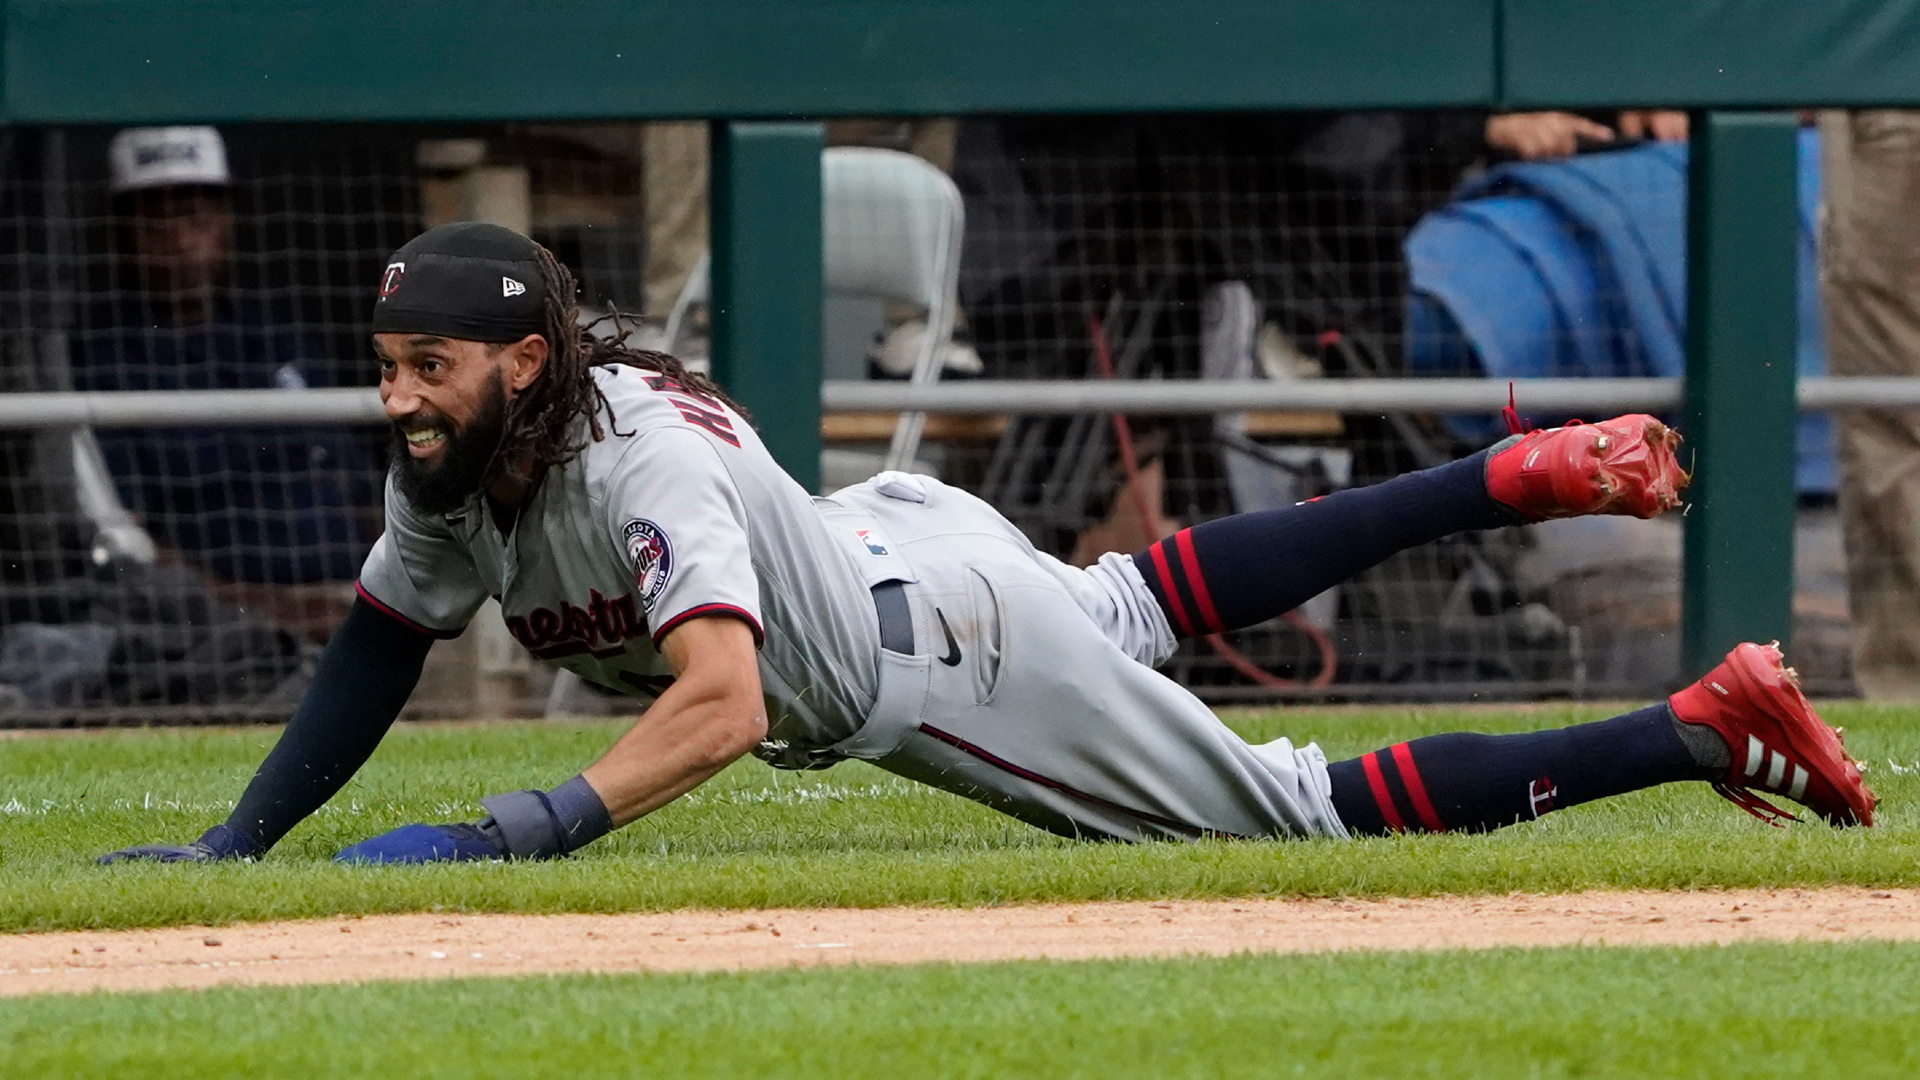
(446, 487)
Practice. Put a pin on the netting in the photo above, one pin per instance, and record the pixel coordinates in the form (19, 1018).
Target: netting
(1276, 246)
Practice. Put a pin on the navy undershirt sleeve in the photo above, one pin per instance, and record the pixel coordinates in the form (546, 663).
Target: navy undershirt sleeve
(364, 677)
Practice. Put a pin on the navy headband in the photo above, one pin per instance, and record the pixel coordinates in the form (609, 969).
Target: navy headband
(467, 280)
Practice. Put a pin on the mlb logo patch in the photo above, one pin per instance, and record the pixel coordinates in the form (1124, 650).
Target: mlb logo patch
(875, 545)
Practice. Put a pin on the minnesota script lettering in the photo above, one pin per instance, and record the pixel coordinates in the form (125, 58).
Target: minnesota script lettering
(600, 628)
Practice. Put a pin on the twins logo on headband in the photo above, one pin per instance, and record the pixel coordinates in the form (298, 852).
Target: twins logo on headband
(467, 281)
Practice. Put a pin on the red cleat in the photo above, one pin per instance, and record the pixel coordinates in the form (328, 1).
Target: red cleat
(1779, 743)
(1621, 466)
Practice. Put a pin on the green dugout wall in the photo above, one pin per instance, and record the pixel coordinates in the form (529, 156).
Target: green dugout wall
(752, 64)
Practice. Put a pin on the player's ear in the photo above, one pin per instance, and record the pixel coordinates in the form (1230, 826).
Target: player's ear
(527, 360)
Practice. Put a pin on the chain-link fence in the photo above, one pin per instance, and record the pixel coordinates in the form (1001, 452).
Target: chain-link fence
(191, 574)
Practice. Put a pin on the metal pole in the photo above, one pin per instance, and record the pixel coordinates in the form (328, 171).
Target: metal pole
(1740, 409)
(766, 284)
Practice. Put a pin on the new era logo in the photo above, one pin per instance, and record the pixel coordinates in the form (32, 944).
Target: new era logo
(510, 287)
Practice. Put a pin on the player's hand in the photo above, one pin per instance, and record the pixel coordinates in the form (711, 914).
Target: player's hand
(218, 844)
(1537, 135)
(427, 843)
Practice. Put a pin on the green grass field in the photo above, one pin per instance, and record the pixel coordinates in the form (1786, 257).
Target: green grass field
(852, 835)
(1769, 1010)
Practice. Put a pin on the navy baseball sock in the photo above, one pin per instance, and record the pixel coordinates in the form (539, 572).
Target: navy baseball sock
(1249, 568)
(1472, 783)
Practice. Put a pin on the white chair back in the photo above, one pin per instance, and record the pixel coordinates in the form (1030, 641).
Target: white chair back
(891, 228)
(892, 225)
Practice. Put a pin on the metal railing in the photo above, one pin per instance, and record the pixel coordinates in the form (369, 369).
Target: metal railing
(222, 408)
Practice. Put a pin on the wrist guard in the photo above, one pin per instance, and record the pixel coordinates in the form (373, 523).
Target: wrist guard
(546, 825)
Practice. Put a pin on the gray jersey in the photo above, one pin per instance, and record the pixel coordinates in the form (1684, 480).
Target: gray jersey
(679, 512)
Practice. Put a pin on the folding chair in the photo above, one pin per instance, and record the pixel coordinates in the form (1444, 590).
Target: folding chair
(892, 226)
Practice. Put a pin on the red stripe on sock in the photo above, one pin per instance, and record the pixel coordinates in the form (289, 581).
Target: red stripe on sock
(1416, 789)
(1191, 563)
(1377, 783)
(1173, 594)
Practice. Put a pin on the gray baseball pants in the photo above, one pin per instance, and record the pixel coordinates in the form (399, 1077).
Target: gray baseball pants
(1030, 687)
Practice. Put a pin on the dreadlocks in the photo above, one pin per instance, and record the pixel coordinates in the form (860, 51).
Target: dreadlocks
(543, 418)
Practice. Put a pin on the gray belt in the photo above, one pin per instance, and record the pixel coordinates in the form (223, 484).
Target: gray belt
(896, 618)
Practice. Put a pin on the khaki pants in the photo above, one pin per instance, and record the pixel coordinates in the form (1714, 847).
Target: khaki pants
(1870, 284)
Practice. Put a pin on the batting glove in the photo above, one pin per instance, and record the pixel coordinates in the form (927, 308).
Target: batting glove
(218, 844)
(410, 844)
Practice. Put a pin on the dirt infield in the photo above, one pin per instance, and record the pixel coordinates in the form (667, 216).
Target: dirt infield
(429, 946)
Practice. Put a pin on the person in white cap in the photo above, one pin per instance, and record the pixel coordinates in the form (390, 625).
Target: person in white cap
(170, 186)
(280, 507)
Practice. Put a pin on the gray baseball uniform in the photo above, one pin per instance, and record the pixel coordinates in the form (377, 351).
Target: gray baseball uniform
(901, 621)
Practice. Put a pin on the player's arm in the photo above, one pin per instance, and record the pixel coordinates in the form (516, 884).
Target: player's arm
(711, 715)
(363, 678)
(671, 496)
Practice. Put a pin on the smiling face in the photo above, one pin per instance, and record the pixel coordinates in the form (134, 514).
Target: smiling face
(447, 399)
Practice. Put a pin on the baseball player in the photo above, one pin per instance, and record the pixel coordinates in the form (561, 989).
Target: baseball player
(635, 531)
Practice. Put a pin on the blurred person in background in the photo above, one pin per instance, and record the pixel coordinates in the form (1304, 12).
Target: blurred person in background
(1870, 286)
(276, 514)
(1538, 135)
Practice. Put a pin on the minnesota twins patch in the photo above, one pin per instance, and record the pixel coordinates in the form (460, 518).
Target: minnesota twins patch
(652, 559)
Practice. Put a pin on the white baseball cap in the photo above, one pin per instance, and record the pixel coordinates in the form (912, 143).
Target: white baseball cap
(162, 156)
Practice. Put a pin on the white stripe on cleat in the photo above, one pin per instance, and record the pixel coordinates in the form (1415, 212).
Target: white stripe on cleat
(1755, 752)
